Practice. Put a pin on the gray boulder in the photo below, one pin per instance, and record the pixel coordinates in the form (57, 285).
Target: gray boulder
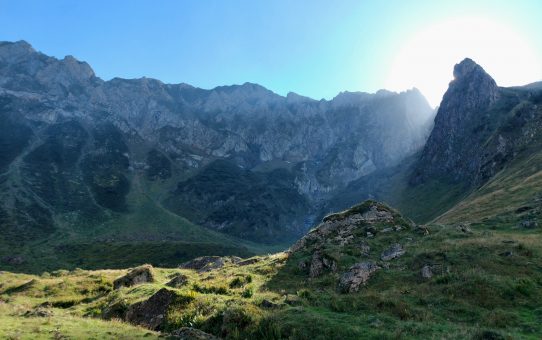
(209, 263)
(151, 313)
(138, 275)
(395, 251)
(178, 281)
(356, 276)
(189, 333)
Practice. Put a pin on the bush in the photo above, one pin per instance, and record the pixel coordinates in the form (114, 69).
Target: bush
(247, 293)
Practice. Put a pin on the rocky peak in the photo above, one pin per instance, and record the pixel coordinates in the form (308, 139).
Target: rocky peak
(356, 242)
(449, 150)
(471, 82)
(12, 51)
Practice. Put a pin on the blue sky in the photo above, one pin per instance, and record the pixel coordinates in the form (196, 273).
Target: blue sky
(315, 48)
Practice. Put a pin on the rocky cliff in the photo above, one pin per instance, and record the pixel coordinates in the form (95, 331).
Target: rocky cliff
(479, 128)
(83, 150)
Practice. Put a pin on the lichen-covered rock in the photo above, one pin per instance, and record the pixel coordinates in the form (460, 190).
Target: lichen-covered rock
(356, 276)
(178, 281)
(321, 263)
(426, 272)
(138, 275)
(395, 251)
(189, 333)
(369, 218)
(209, 263)
(151, 313)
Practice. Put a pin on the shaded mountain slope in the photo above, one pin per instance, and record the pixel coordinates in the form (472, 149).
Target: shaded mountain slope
(84, 157)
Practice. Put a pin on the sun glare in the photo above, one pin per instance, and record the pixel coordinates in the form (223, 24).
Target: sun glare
(426, 61)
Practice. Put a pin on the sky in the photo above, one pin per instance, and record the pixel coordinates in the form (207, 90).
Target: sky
(315, 48)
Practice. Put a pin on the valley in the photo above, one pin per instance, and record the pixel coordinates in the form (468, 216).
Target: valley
(131, 208)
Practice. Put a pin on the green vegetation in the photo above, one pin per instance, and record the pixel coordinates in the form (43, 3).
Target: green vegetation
(486, 283)
(255, 206)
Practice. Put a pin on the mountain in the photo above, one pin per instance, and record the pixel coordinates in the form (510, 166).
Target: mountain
(480, 132)
(85, 160)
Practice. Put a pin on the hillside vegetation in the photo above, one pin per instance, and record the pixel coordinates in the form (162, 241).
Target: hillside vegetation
(443, 281)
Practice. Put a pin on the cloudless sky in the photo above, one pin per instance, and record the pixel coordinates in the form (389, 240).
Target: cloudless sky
(316, 48)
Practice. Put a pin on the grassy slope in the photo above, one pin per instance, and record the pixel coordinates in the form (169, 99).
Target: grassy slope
(421, 203)
(478, 292)
(147, 233)
(518, 185)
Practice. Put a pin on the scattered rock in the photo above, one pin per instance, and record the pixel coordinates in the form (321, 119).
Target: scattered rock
(395, 251)
(268, 304)
(422, 230)
(365, 249)
(249, 261)
(464, 228)
(208, 263)
(138, 275)
(427, 273)
(356, 276)
(528, 224)
(321, 263)
(178, 281)
(398, 228)
(189, 333)
(151, 313)
(39, 312)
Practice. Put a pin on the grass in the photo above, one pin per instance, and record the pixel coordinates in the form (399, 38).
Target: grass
(518, 185)
(476, 291)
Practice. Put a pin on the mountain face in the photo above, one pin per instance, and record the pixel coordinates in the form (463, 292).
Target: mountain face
(80, 152)
(479, 128)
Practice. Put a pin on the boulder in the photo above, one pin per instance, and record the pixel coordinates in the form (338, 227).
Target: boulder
(189, 333)
(426, 272)
(268, 304)
(357, 275)
(178, 281)
(321, 263)
(208, 263)
(151, 313)
(249, 261)
(395, 251)
(138, 275)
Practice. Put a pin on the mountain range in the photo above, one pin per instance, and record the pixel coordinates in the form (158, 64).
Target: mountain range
(133, 208)
(136, 163)
(137, 160)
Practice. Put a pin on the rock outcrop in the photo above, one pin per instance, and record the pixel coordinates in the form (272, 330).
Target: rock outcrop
(189, 333)
(70, 137)
(479, 128)
(356, 276)
(139, 275)
(209, 263)
(352, 234)
(151, 313)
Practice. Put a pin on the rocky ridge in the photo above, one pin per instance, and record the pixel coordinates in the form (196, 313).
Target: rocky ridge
(78, 146)
(354, 244)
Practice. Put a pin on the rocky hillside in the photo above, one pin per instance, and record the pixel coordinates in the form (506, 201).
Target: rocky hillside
(85, 157)
(366, 272)
(480, 130)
